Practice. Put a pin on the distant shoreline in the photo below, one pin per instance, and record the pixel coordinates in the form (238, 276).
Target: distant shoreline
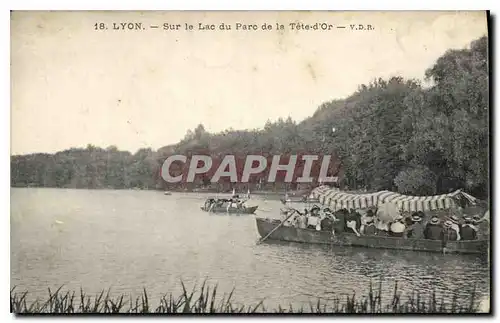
(265, 193)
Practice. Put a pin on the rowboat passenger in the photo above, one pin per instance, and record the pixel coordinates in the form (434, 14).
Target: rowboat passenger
(212, 205)
(468, 231)
(433, 230)
(416, 230)
(208, 203)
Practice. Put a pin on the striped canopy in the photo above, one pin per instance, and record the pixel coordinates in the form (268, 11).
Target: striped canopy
(336, 200)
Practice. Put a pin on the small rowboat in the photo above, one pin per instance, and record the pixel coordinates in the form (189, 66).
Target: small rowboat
(304, 199)
(232, 210)
(265, 228)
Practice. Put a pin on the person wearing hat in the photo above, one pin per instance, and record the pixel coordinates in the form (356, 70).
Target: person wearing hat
(433, 229)
(468, 231)
(449, 233)
(366, 219)
(353, 222)
(407, 220)
(415, 230)
(455, 225)
(327, 222)
(315, 209)
(369, 228)
(313, 219)
(326, 211)
(398, 227)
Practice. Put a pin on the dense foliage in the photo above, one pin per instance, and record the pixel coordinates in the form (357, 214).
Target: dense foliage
(391, 134)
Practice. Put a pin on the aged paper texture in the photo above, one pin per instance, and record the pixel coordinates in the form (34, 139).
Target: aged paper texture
(295, 157)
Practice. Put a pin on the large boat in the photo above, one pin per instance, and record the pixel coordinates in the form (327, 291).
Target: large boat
(292, 234)
(231, 210)
(336, 200)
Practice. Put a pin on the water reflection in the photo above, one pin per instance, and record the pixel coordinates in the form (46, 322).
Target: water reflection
(340, 270)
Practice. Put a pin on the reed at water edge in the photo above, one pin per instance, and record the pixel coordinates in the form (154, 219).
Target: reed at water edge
(206, 300)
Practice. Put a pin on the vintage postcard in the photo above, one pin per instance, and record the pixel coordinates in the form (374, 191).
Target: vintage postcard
(250, 162)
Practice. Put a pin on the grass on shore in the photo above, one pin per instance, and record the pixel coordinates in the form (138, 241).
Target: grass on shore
(205, 301)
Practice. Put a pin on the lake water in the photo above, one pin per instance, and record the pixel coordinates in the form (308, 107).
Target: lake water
(127, 240)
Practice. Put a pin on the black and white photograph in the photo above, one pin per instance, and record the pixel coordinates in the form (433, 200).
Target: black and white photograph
(250, 162)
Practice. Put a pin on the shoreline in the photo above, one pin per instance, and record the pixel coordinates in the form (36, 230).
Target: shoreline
(264, 193)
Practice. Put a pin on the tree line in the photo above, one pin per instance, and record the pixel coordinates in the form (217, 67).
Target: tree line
(396, 134)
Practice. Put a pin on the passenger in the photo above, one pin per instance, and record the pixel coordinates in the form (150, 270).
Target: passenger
(383, 228)
(339, 224)
(353, 222)
(301, 222)
(433, 230)
(208, 203)
(315, 210)
(468, 231)
(416, 230)
(369, 229)
(365, 219)
(229, 204)
(398, 227)
(325, 213)
(327, 223)
(312, 221)
(407, 220)
(483, 226)
(212, 205)
(290, 219)
(421, 214)
(455, 225)
(449, 234)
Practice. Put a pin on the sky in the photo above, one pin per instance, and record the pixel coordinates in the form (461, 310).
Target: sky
(72, 85)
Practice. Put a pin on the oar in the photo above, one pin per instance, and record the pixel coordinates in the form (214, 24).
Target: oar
(276, 228)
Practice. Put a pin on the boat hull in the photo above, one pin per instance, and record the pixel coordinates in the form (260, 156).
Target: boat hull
(292, 234)
(232, 210)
